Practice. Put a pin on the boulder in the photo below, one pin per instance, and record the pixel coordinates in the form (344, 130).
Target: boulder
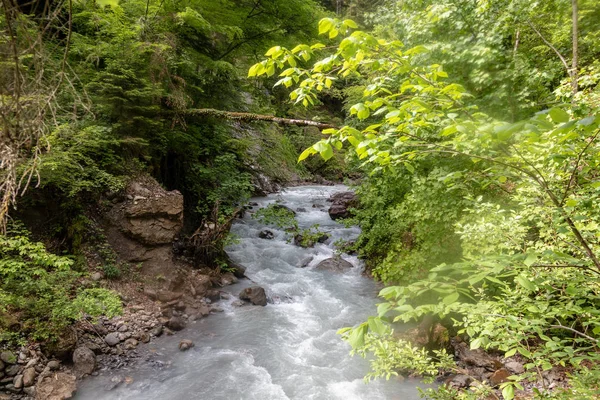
(305, 262)
(499, 377)
(227, 279)
(8, 357)
(166, 296)
(84, 361)
(185, 345)
(266, 234)
(57, 386)
(13, 370)
(341, 203)
(96, 276)
(153, 218)
(478, 357)
(175, 323)
(29, 376)
(335, 264)
(515, 367)
(112, 339)
(202, 284)
(130, 344)
(459, 381)
(255, 295)
(62, 348)
(53, 365)
(238, 270)
(18, 382)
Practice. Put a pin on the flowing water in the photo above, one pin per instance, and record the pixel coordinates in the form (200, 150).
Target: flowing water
(286, 350)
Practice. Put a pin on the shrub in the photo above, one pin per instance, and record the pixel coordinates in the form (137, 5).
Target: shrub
(39, 296)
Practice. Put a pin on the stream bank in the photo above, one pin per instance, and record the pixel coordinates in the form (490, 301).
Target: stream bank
(288, 349)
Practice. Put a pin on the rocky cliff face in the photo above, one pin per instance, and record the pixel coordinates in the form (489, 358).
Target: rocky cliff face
(142, 227)
(150, 214)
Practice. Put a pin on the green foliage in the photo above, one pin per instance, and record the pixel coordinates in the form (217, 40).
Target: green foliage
(284, 218)
(277, 215)
(518, 200)
(38, 291)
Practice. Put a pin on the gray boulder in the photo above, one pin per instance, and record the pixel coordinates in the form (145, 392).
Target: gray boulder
(84, 361)
(112, 339)
(255, 295)
(334, 264)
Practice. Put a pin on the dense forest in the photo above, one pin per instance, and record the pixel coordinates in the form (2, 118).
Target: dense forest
(468, 129)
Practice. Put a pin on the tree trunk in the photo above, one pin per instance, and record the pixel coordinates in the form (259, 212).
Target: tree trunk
(574, 67)
(249, 117)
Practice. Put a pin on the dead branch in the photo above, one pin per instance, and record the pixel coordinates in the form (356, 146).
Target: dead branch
(250, 117)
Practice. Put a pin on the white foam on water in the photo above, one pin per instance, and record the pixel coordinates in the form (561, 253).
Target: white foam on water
(286, 350)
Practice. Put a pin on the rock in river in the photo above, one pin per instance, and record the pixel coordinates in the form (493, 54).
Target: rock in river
(335, 264)
(255, 295)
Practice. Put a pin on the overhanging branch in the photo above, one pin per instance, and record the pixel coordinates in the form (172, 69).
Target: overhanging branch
(250, 117)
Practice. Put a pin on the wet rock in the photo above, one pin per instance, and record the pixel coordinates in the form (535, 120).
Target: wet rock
(57, 386)
(176, 323)
(266, 234)
(341, 203)
(305, 262)
(301, 209)
(238, 303)
(239, 271)
(2, 365)
(499, 376)
(515, 367)
(185, 345)
(112, 339)
(84, 361)
(130, 344)
(157, 331)
(335, 264)
(8, 357)
(213, 295)
(255, 295)
(29, 376)
(227, 279)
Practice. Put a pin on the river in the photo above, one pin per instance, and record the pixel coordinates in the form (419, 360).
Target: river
(286, 350)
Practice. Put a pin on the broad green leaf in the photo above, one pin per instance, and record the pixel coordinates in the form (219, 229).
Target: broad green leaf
(525, 282)
(377, 326)
(351, 24)
(325, 25)
(451, 298)
(558, 115)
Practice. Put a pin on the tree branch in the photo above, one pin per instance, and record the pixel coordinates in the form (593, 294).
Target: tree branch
(575, 331)
(250, 117)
